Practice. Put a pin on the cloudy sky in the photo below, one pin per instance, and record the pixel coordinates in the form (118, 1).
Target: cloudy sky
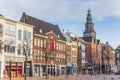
(71, 14)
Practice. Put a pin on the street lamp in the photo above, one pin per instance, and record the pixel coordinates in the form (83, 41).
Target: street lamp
(10, 68)
(66, 62)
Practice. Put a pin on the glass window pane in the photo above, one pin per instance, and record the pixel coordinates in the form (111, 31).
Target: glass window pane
(29, 36)
(19, 34)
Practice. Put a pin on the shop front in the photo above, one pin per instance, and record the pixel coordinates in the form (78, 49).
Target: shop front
(37, 70)
(51, 70)
(28, 68)
(40, 69)
(57, 70)
(14, 69)
(63, 69)
(74, 68)
(69, 68)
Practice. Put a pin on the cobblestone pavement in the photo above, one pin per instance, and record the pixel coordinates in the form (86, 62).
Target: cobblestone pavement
(103, 77)
(71, 77)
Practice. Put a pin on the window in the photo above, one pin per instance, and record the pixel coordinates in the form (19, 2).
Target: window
(19, 35)
(73, 46)
(56, 46)
(40, 30)
(35, 52)
(29, 37)
(44, 43)
(38, 52)
(9, 49)
(19, 49)
(41, 43)
(118, 61)
(10, 27)
(38, 44)
(25, 35)
(9, 37)
(35, 41)
(118, 55)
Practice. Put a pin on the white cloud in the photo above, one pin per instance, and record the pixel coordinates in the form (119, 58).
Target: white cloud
(62, 9)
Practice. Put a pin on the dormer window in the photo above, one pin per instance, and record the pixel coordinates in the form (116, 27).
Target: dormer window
(58, 36)
(40, 30)
(51, 37)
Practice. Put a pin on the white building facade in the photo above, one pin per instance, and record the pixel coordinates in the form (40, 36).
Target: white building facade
(12, 37)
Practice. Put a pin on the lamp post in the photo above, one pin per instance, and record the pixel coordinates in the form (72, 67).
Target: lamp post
(66, 60)
(66, 64)
(10, 63)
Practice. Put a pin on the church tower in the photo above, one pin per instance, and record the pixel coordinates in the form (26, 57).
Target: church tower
(89, 26)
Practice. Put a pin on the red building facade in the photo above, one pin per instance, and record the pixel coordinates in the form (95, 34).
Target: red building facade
(49, 47)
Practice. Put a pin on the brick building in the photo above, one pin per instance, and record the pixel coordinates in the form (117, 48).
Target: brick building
(72, 52)
(117, 59)
(108, 59)
(93, 47)
(82, 66)
(49, 47)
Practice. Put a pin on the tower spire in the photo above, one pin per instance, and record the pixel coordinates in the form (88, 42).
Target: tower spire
(89, 17)
(89, 26)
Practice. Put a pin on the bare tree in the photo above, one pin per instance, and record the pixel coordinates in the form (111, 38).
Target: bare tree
(47, 52)
(26, 48)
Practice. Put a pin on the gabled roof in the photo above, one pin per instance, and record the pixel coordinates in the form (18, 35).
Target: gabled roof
(45, 27)
(73, 38)
(1, 15)
(107, 45)
(118, 48)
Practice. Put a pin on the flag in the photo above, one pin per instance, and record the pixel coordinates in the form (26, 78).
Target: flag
(53, 45)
